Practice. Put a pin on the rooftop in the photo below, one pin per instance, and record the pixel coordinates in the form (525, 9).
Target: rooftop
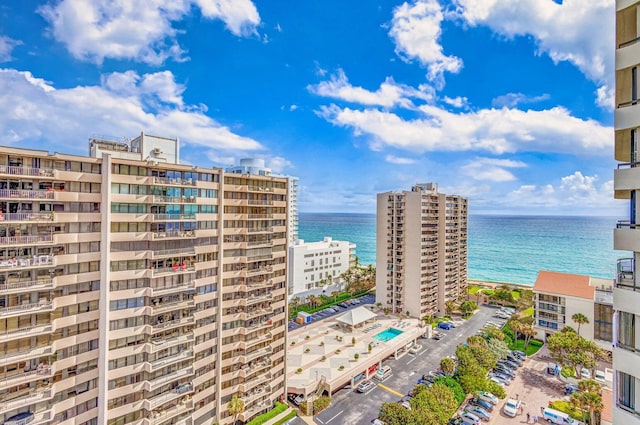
(574, 285)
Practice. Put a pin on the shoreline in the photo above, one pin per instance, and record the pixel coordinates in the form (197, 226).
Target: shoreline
(493, 284)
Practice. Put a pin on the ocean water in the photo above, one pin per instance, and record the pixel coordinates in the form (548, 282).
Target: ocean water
(501, 248)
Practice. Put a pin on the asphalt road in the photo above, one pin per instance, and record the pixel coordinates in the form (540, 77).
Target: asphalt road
(349, 407)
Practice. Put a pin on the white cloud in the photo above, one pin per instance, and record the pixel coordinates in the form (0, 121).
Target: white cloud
(511, 100)
(575, 190)
(6, 47)
(123, 104)
(578, 31)
(458, 102)
(399, 160)
(277, 164)
(93, 30)
(493, 130)
(293, 107)
(416, 31)
(389, 94)
(491, 169)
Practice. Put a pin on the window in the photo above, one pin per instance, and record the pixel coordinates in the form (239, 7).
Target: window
(603, 322)
(627, 330)
(626, 390)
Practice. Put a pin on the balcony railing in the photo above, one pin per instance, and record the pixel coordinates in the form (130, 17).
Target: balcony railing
(171, 359)
(25, 240)
(628, 42)
(178, 322)
(25, 308)
(20, 262)
(174, 269)
(173, 288)
(170, 217)
(259, 202)
(27, 171)
(174, 199)
(190, 250)
(182, 182)
(625, 274)
(45, 283)
(28, 331)
(32, 398)
(174, 234)
(26, 194)
(22, 217)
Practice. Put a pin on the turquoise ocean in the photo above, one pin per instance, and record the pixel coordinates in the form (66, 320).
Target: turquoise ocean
(501, 248)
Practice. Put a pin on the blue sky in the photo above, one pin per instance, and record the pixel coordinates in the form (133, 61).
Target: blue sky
(507, 102)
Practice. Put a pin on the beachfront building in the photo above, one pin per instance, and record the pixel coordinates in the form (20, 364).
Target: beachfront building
(256, 166)
(318, 265)
(626, 295)
(558, 296)
(129, 295)
(421, 250)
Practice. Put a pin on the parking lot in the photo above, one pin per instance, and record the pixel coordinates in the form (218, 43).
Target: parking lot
(351, 407)
(321, 315)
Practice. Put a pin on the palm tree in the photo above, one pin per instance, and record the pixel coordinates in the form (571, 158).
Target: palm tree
(313, 300)
(517, 327)
(449, 306)
(235, 407)
(591, 402)
(528, 332)
(447, 365)
(335, 294)
(580, 319)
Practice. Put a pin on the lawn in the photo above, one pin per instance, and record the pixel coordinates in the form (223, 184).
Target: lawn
(473, 290)
(533, 347)
(527, 313)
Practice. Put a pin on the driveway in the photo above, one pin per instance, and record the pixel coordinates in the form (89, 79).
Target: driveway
(350, 407)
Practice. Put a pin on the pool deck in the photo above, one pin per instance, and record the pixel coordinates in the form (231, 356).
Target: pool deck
(325, 338)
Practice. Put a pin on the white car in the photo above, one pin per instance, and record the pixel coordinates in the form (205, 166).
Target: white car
(600, 377)
(511, 407)
(487, 396)
(585, 373)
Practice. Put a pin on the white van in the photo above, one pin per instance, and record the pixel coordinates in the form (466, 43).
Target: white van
(383, 373)
(558, 417)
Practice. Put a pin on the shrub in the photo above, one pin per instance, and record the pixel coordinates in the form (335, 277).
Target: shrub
(323, 358)
(259, 420)
(307, 337)
(306, 350)
(495, 389)
(454, 386)
(356, 356)
(568, 371)
(293, 343)
(341, 367)
(321, 403)
(303, 407)
(299, 370)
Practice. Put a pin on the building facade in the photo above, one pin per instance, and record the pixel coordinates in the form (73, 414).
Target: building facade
(317, 264)
(137, 290)
(626, 294)
(558, 296)
(421, 250)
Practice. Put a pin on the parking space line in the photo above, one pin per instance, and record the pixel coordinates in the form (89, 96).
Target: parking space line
(338, 414)
(414, 357)
(392, 391)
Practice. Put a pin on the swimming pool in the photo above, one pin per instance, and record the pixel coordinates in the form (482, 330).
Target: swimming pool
(387, 335)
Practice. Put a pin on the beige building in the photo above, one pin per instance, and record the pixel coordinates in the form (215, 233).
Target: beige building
(134, 290)
(421, 250)
(626, 295)
(558, 296)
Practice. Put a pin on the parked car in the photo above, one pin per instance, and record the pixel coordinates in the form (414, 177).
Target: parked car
(452, 324)
(570, 389)
(343, 305)
(444, 325)
(470, 418)
(511, 365)
(478, 411)
(497, 381)
(600, 377)
(585, 373)
(482, 403)
(377, 422)
(438, 336)
(366, 386)
(504, 371)
(487, 396)
(519, 354)
(355, 301)
(511, 407)
(515, 359)
(500, 379)
(504, 364)
(405, 404)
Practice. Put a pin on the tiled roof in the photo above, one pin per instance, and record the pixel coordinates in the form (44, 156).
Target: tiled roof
(574, 285)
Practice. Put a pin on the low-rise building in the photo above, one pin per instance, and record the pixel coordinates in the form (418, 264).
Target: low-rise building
(317, 264)
(558, 296)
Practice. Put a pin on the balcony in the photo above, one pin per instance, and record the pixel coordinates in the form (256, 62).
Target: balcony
(260, 284)
(27, 217)
(174, 234)
(254, 382)
(174, 199)
(260, 216)
(174, 217)
(166, 397)
(163, 344)
(259, 229)
(626, 236)
(171, 270)
(24, 332)
(156, 383)
(27, 194)
(625, 278)
(257, 353)
(30, 398)
(263, 257)
(26, 285)
(168, 289)
(22, 355)
(17, 310)
(166, 361)
(162, 416)
(27, 171)
(248, 370)
(173, 323)
(26, 240)
(174, 182)
(252, 300)
(42, 372)
(259, 270)
(173, 252)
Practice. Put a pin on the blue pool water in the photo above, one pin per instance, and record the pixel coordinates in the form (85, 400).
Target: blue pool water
(387, 335)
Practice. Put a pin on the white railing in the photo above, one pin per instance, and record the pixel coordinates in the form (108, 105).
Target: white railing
(27, 171)
(174, 199)
(25, 240)
(177, 322)
(175, 234)
(165, 217)
(28, 194)
(170, 359)
(37, 216)
(42, 260)
(179, 287)
(177, 181)
(178, 251)
(176, 269)
(46, 283)
(44, 305)
(22, 331)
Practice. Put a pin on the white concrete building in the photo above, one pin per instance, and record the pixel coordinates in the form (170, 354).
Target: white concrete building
(317, 264)
(626, 181)
(558, 296)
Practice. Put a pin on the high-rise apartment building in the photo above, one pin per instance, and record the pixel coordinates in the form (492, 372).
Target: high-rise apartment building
(135, 290)
(421, 250)
(626, 293)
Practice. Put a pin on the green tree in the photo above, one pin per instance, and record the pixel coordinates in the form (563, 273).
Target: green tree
(468, 307)
(454, 386)
(438, 399)
(235, 407)
(528, 332)
(498, 347)
(394, 414)
(448, 365)
(580, 319)
(449, 306)
(589, 402)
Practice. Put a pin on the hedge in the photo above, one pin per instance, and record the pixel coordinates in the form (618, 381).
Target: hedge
(280, 407)
(286, 418)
